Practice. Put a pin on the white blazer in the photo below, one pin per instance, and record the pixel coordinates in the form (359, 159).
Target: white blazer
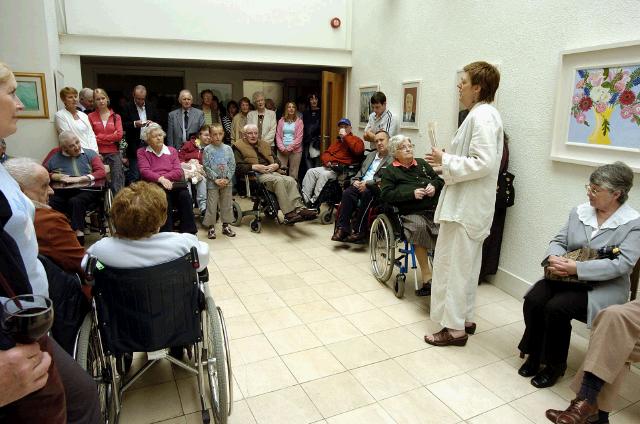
(268, 124)
(470, 172)
(64, 122)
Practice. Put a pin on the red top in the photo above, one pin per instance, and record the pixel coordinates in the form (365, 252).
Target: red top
(189, 151)
(108, 136)
(345, 152)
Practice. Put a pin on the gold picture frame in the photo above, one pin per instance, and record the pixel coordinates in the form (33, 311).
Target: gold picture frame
(32, 92)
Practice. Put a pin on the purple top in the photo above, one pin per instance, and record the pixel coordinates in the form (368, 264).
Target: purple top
(152, 166)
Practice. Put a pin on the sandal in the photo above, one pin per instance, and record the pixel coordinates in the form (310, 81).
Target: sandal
(227, 231)
(211, 234)
(470, 329)
(444, 338)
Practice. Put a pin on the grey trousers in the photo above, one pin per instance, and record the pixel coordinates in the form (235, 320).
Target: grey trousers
(290, 160)
(314, 181)
(222, 196)
(116, 170)
(285, 189)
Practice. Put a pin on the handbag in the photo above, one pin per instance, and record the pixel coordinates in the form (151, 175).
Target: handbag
(582, 255)
(505, 192)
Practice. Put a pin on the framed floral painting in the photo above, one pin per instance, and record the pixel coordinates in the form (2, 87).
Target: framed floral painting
(597, 117)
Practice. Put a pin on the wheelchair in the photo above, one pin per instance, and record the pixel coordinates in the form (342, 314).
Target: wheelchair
(134, 310)
(264, 201)
(99, 215)
(331, 193)
(385, 233)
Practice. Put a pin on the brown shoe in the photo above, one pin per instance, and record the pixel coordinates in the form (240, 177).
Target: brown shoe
(444, 338)
(339, 235)
(357, 238)
(578, 412)
(292, 217)
(307, 214)
(227, 231)
(552, 414)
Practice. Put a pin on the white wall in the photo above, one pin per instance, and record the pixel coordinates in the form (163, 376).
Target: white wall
(29, 43)
(432, 40)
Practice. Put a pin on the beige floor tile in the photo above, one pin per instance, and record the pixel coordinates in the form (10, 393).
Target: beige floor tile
(385, 379)
(232, 307)
(533, 406)
(370, 414)
(336, 394)
(421, 328)
(501, 379)
(286, 282)
(357, 352)
(294, 255)
(241, 414)
(351, 304)
(406, 312)
(333, 289)
(251, 287)
(241, 326)
(429, 365)
(264, 258)
(274, 269)
(318, 252)
(465, 396)
(290, 405)
(238, 273)
(276, 319)
(302, 265)
(629, 389)
(498, 315)
(488, 293)
(419, 406)
(502, 414)
(469, 357)
(262, 302)
(372, 321)
(499, 341)
(177, 420)
(150, 404)
(189, 395)
(381, 297)
(297, 296)
(160, 372)
(293, 339)
(334, 330)
(315, 311)
(222, 291)
(397, 341)
(630, 415)
(362, 284)
(312, 364)
(316, 276)
(261, 377)
(251, 349)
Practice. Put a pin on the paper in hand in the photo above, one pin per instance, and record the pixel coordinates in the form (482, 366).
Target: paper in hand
(432, 129)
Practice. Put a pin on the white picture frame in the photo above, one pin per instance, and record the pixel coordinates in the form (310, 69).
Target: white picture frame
(364, 110)
(567, 145)
(411, 98)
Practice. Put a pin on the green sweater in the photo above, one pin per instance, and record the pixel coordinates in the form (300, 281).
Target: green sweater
(398, 184)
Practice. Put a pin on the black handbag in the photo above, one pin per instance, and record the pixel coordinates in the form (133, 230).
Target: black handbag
(505, 193)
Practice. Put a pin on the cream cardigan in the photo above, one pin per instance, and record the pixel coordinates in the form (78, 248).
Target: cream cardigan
(64, 122)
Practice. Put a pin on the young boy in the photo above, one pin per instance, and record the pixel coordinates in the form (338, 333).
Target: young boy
(219, 165)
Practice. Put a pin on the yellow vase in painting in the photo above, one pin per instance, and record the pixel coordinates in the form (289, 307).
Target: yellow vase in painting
(601, 129)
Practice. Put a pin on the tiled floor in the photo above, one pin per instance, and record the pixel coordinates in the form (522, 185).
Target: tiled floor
(316, 339)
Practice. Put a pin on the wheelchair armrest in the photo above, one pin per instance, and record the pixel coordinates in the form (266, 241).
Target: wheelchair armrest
(195, 259)
(89, 270)
(203, 276)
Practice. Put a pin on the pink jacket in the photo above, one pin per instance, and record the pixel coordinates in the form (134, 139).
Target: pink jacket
(109, 136)
(296, 146)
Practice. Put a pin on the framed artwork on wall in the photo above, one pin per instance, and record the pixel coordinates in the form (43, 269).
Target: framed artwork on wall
(366, 91)
(32, 92)
(411, 104)
(271, 89)
(222, 91)
(597, 111)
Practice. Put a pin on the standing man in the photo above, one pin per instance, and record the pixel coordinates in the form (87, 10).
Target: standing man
(380, 119)
(184, 121)
(136, 116)
(85, 100)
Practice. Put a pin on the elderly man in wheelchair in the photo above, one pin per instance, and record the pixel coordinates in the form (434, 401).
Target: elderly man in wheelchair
(150, 295)
(411, 187)
(255, 156)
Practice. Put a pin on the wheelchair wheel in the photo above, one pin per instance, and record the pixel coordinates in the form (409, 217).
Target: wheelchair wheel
(108, 201)
(382, 248)
(398, 286)
(256, 226)
(237, 214)
(88, 356)
(218, 363)
(326, 216)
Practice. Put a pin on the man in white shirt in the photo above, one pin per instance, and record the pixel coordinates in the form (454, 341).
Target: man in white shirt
(364, 189)
(380, 119)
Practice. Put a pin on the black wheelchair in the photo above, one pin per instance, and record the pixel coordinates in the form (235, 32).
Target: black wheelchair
(135, 310)
(385, 233)
(331, 193)
(264, 201)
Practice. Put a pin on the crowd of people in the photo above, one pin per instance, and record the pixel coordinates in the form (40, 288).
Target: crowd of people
(445, 201)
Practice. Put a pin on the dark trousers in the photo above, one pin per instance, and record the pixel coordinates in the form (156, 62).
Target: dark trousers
(116, 170)
(74, 203)
(349, 205)
(548, 310)
(133, 174)
(180, 199)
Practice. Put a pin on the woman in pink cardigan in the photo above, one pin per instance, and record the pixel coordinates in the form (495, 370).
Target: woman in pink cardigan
(289, 140)
(160, 164)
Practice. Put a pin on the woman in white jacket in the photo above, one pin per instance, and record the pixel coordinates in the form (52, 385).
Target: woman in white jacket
(71, 119)
(465, 209)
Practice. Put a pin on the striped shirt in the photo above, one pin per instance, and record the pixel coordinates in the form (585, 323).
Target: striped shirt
(386, 122)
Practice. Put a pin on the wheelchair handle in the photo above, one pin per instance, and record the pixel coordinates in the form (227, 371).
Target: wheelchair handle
(195, 260)
(89, 269)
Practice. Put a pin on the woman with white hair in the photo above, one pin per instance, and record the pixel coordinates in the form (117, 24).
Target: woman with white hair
(264, 119)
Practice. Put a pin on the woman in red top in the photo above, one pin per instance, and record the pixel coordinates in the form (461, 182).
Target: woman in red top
(107, 126)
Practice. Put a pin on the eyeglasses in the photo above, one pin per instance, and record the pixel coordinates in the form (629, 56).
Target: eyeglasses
(592, 191)
(407, 148)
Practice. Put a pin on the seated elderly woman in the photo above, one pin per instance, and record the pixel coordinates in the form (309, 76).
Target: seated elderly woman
(579, 290)
(412, 186)
(253, 155)
(138, 213)
(160, 164)
(71, 164)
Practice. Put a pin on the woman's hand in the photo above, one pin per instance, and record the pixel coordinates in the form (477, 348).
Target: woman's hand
(430, 190)
(168, 185)
(221, 182)
(561, 266)
(435, 157)
(419, 193)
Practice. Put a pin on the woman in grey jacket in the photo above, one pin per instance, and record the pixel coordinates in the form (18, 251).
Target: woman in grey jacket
(550, 305)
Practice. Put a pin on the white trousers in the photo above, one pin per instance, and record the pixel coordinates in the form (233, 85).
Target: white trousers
(456, 267)
(314, 180)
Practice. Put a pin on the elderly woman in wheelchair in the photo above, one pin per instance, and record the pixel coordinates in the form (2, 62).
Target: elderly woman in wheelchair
(412, 186)
(150, 295)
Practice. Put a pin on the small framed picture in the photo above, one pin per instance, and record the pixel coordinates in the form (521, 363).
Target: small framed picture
(366, 91)
(32, 92)
(410, 104)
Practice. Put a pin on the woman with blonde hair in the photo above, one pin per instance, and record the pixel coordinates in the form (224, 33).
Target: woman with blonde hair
(289, 139)
(107, 126)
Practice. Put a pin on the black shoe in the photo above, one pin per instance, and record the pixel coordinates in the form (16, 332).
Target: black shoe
(548, 376)
(425, 290)
(530, 367)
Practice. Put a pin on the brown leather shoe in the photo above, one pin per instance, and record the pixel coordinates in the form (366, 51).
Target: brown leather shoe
(307, 214)
(292, 218)
(578, 412)
(552, 414)
(339, 235)
(357, 238)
